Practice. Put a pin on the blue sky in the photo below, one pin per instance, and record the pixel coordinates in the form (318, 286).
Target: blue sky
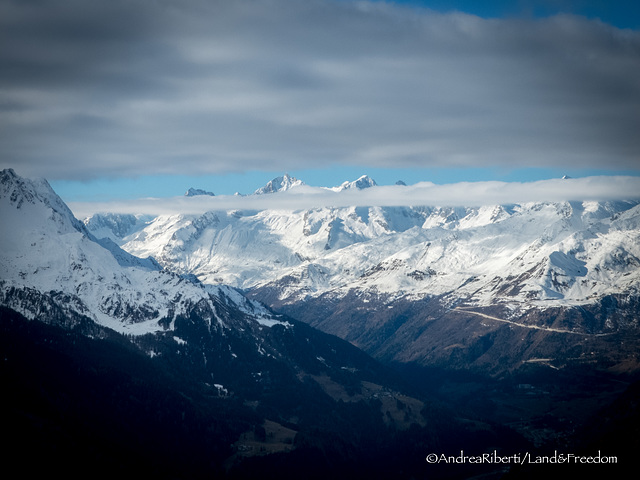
(103, 190)
(621, 13)
(123, 100)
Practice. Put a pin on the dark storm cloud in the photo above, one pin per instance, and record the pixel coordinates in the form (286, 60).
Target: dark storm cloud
(121, 88)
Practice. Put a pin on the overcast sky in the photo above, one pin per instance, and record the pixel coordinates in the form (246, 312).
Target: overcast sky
(113, 93)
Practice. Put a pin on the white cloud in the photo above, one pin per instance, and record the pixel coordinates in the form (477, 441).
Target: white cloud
(93, 89)
(428, 194)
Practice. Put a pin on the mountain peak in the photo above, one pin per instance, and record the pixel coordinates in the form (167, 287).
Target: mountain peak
(279, 184)
(360, 184)
(21, 192)
(192, 192)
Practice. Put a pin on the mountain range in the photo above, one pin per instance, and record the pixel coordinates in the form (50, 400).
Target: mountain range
(387, 278)
(332, 342)
(124, 328)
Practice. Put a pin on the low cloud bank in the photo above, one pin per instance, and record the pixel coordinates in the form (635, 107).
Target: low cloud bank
(425, 193)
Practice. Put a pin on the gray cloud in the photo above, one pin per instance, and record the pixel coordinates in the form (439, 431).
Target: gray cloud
(468, 194)
(120, 88)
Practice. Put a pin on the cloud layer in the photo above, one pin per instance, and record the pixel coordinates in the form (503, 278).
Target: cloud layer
(468, 194)
(119, 88)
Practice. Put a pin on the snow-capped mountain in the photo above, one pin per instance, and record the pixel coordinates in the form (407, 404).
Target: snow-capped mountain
(537, 254)
(115, 226)
(45, 252)
(156, 362)
(54, 270)
(279, 184)
(515, 261)
(361, 183)
(194, 192)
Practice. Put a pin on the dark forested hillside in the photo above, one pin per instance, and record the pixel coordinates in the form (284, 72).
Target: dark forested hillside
(76, 403)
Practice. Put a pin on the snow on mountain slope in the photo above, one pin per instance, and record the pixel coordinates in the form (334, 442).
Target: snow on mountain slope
(491, 287)
(361, 183)
(246, 248)
(568, 263)
(50, 261)
(533, 254)
(115, 226)
(279, 184)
